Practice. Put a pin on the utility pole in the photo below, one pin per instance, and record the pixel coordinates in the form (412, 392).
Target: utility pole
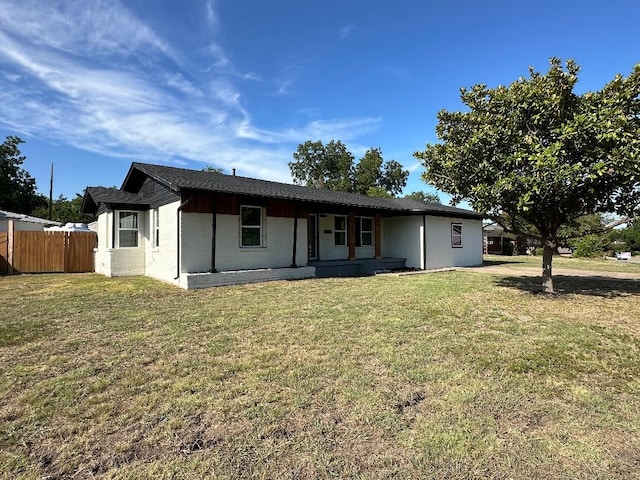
(51, 193)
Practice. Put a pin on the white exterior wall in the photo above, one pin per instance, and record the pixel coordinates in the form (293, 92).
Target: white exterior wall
(439, 251)
(327, 250)
(276, 252)
(402, 238)
(160, 261)
(119, 262)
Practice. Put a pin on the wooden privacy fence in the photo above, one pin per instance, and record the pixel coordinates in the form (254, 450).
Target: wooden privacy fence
(40, 252)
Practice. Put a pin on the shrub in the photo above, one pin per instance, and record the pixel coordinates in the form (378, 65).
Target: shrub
(589, 246)
(507, 248)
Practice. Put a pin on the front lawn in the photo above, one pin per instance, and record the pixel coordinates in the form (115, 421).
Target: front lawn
(442, 375)
(560, 262)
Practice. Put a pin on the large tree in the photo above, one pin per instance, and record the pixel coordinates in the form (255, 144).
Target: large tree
(17, 187)
(63, 210)
(538, 154)
(425, 197)
(331, 166)
(323, 166)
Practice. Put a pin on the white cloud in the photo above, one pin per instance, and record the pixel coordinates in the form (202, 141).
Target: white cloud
(93, 76)
(177, 81)
(212, 18)
(99, 27)
(346, 30)
(283, 89)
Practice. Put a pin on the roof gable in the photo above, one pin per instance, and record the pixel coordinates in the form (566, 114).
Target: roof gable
(95, 196)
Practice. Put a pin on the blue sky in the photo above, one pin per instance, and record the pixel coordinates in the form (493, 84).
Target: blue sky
(93, 85)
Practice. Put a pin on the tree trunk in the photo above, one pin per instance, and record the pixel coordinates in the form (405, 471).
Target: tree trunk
(547, 259)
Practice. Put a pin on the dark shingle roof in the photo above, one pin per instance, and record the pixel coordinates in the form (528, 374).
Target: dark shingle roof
(178, 179)
(113, 195)
(94, 196)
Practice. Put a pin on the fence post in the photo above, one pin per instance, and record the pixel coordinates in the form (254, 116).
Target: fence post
(10, 227)
(67, 241)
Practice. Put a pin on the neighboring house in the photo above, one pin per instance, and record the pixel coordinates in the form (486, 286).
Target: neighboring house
(23, 223)
(494, 238)
(198, 229)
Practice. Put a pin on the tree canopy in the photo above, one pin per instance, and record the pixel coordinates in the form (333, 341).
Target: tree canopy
(332, 166)
(17, 187)
(425, 197)
(537, 153)
(63, 210)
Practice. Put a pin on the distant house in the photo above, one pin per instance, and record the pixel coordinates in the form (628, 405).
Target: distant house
(198, 229)
(23, 222)
(494, 239)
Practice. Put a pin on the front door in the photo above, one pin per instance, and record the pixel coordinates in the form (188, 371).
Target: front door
(312, 236)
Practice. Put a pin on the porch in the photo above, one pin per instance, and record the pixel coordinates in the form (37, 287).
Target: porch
(237, 277)
(355, 268)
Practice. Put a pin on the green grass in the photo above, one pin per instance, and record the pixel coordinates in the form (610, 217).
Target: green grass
(445, 375)
(559, 262)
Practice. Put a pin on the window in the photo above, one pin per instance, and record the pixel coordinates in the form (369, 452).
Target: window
(340, 230)
(250, 226)
(456, 235)
(364, 231)
(156, 227)
(127, 229)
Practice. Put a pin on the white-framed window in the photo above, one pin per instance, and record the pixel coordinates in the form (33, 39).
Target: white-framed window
(340, 230)
(364, 231)
(250, 226)
(456, 235)
(156, 227)
(127, 229)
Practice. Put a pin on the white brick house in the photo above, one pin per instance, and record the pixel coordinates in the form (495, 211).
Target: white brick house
(198, 229)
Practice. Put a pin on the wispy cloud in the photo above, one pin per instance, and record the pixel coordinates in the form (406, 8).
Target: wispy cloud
(212, 18)
(94, 76)
(177, 81)
(346, 30)
(101, 27)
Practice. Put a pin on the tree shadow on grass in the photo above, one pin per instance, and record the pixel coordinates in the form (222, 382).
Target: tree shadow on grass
(599, 286)
(487, 263)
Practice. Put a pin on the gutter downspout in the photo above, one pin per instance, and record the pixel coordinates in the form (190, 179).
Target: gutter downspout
(424, 242)
(182, 205)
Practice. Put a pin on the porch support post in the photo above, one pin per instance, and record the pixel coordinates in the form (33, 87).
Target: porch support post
(113, 228)
(424, 242)
(377, 244)
(295, 236)
(351, 236)
(214, 225)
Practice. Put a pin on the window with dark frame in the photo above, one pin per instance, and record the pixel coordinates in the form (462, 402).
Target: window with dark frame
(456, 235)
(364, 231)
(250, 226)
(127, 229)
(340, 230)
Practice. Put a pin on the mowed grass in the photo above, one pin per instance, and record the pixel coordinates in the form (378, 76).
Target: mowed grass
(560, 262)
(443, 375)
